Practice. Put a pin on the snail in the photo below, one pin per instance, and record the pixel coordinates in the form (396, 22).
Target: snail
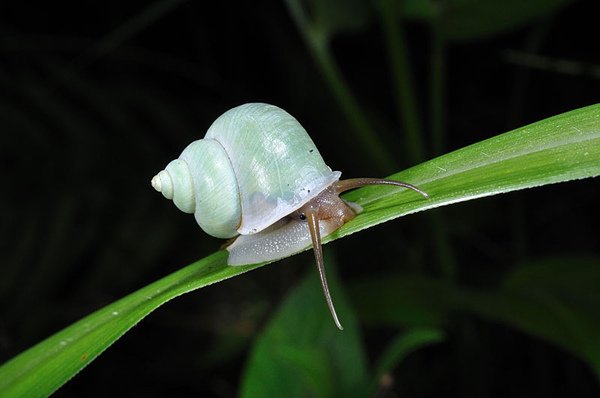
(257, 176)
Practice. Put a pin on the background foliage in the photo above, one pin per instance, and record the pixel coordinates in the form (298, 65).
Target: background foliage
(93, 101)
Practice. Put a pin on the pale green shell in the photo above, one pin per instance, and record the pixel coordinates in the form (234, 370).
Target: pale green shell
(255, 165)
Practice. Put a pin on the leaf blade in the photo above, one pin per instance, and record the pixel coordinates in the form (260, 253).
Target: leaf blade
(43, 368)
(558, 149)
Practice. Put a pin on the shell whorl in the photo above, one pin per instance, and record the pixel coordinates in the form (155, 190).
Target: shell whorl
(175, 183)
(202, 182)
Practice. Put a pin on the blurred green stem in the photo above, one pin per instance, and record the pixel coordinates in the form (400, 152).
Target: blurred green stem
(402, 76)
(147, 16)
(318, 45)
(437, 90)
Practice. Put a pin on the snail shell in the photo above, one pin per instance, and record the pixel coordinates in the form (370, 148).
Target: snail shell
(255, 165)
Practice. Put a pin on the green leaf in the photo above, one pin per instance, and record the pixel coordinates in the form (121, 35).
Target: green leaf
(405, 300)
(43, 368)
(405, 344)
(561, 148)
(478, 19)
(300, 354)
(555, 300)
(334, 17)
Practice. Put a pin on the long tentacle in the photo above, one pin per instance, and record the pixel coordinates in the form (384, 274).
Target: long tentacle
(352, 183)
(315, 235)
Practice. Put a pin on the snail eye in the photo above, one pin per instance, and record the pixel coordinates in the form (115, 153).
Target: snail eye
(302, 216)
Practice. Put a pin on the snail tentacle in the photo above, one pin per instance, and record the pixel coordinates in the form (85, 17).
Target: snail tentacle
(353, 183)
(312, 216)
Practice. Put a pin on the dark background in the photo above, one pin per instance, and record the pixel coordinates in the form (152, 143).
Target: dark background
(96, 97)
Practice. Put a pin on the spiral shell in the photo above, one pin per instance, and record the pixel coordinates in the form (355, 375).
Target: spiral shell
(255, 165)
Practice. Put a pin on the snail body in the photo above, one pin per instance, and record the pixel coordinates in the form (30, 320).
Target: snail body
(258, 175)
